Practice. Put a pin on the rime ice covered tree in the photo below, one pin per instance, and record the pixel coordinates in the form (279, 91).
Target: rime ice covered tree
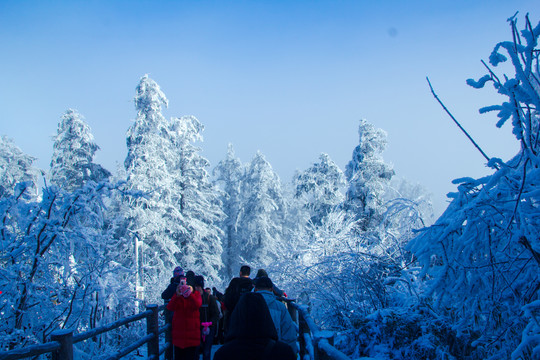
(46, 285)
(262, 214)
(318, 188)
(56, 253)
(71, 167)
(198, 204)
(367, 175)
(16, 167)
(481, 258)
(73, 153)
(175, 220)
(228, 176)
(356, 246)
(149, 162)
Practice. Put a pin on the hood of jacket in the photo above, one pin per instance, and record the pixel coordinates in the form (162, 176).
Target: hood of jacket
(251, 319)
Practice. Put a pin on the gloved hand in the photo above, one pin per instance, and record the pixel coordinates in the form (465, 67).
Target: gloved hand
(184, 290)
(206, 329)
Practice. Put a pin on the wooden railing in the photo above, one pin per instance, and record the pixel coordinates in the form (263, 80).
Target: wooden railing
(62, 341)
(317, 344)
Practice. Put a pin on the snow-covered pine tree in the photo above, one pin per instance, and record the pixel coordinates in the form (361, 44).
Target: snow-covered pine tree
(481, 258)
(358, 247)
(262, 214)
(16, 167)
(151, 168)
(318, 188)
(73, 153)
(72, 167)
(228, 177)
(47, 281)
(176, 220)
(367, 175)
(198, 204)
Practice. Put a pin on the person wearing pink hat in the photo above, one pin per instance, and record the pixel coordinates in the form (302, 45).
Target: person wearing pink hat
(166, 295)
(186, 324)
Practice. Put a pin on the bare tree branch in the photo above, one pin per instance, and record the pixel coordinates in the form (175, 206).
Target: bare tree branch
(458, 124)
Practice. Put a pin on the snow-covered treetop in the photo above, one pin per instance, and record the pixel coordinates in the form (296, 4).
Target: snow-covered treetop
(318, 188)
(73, 152)
(367, 173)
(371, 145)
(150, 124)
(149, 97)
(15, 167)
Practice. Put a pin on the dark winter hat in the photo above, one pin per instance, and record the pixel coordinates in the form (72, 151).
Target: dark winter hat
(263, 282)
(261, 273)
(190, 276)
(199, 281)
(178, 271)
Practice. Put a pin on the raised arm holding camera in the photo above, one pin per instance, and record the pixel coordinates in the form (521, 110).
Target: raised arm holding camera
(186, 335)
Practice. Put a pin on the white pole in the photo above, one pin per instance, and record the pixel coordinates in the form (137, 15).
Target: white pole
(139, 287)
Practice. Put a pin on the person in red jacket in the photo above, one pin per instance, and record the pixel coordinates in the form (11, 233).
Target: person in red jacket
(186, 324)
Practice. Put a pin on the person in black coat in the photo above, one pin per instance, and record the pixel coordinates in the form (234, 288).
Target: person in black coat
(167, 294)
(252, 334)
(238, 286)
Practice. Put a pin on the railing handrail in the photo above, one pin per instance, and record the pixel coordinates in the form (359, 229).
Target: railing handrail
(137, 344)
(55, 347)
(29, 351)
(318, 344)
(106, 328)
(312, 338)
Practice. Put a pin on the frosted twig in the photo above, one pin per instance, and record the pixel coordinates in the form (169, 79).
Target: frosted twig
(518, 200)
(491, 72)
(458, 124)
(525, 242)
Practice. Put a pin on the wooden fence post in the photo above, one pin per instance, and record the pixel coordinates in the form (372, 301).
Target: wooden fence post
(65, 338)
(303, 329)
(329, 337)
(168, 335)
(152, 327)
(293, 312)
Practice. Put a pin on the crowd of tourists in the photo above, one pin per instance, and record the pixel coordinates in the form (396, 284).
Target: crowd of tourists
(249, 320)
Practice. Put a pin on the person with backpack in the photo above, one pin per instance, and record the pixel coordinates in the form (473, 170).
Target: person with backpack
(209, 316)
(220, 337)
(285, 327)
(237, 287)
(277, 291)
(252, 334)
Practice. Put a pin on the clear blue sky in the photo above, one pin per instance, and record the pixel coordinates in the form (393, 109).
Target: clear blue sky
(289, 78)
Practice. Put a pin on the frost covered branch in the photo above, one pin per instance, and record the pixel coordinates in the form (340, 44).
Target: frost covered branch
(481, 259)
(457, 123)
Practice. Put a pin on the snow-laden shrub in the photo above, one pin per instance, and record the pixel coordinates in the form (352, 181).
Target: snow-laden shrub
(481, 259)
(60, 267)
(404, 333)
(345, 273)
(349, 255)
